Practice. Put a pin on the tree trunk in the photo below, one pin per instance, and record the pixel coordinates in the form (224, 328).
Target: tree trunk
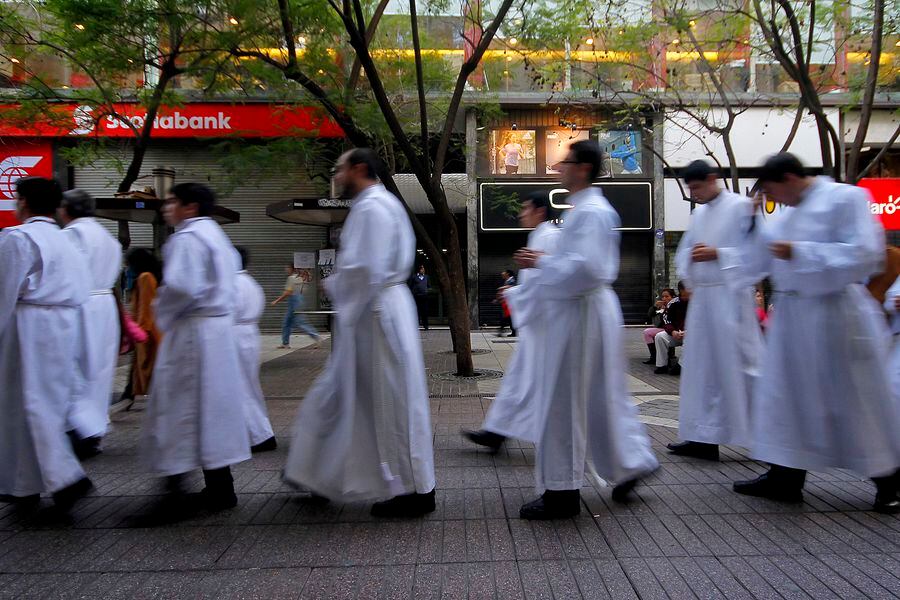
(458, 307)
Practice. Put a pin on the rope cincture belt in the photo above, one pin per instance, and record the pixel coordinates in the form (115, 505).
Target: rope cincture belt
(101, 293)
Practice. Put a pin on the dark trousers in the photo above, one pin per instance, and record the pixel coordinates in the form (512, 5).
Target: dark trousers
(507, 322)
(422, 309)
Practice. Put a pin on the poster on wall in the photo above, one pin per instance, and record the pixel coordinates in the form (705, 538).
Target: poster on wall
(326, 267)
(512, 152)
(305, 264)
(557, 145)
(622, 152)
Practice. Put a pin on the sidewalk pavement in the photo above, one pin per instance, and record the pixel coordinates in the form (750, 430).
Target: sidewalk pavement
(685, 535)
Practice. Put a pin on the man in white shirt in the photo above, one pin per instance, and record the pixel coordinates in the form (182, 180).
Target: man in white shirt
(88, 417)
(824, 398)
(589, 418)
(44, 280)
(363, 431)
(722, 352)
(513, 413)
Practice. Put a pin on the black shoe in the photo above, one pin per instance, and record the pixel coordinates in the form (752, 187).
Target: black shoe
(484, 438)
(265, 446)
(21, 501)
(695, 449)
(405, 506)
(553, 504)
(661, 371)
(66, 498)
(773, 487)
(886, 505)
(218, 501)
(652, 359)
(887, 496)
(88, 447)
(315, 500)
(620, 492)
(675, 369)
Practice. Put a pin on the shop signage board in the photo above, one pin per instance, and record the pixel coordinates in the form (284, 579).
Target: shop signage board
(885, 201)
(21, 158)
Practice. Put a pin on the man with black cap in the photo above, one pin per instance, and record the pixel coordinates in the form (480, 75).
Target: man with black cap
(723, 348)
(43, 282)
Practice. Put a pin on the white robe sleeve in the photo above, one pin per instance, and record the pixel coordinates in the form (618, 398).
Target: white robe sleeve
(683, 256)
(17, 262)
(889, 298)
(362, 266)
(184, 279)
(823, 267)
(588, 257)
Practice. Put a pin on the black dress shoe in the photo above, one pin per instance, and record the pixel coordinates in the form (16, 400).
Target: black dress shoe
(553, 504)
(88, 447)
(661, 371)
(886, 506)
(695, 449)
(218, 501)
(265, 446)
(650, 361)
(771, 487)
(484, 438)
(620, 492)
(405, 506)
(675, 369)
(66, 498)
(21, 501)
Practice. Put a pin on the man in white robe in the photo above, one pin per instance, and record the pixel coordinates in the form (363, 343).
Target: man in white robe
(588, 417)
(513, 412)
(195, 413)
(892, 306)
(823, 399)
(363, 431)
(724, 346)
(43, 282)
(89, 409)
(250, 304)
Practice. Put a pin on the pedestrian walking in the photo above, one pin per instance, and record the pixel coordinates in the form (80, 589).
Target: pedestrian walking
(892, 306)
(824, 399)
(146, 273)
(363, 431)
(293, 293)
(509, 280)
(419, 284)
(43, 283)
(88, 417)
(721, 355)
(195, 415)
(514, 411)
(250, 304)
(589, 416)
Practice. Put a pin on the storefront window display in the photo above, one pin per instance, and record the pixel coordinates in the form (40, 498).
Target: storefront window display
(622, 150)
(512, 152)
(557, 145)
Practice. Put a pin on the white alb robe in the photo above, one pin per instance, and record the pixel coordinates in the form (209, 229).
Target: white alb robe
(195, 413)
(250, 304)
(99, 316)
(823, 398)
(43, 282)
(363, 431)
(514, 411)
(586, 413)
(723, 344)
(894, 363)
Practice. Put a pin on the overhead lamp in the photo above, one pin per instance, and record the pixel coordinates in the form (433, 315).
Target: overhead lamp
(692, 23)
(79, 26)
(513, 41)
(506, 72)
(65, 87)
(321, 72)
(233, 21)
(14, 61)
(130, 61)
(509, 59)
(589, 41)
(675, 42)
(897, 44)
(621, 32)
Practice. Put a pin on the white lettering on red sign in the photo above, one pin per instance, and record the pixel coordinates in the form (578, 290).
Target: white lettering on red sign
(175, 121)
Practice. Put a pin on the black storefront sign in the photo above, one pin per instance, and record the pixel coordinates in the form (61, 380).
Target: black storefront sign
(499, 202)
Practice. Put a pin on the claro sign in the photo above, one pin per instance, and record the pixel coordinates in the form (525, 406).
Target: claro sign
(885, 203)
(187, 121)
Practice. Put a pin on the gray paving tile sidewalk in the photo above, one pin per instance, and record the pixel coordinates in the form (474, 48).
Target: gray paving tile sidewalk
(685, 535)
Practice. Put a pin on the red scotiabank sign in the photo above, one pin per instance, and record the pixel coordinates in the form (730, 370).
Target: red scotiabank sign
(20, 158)
(207, 120)
(885, 203)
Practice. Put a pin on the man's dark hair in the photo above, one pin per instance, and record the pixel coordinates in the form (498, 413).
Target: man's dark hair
(778, 166)
(698, 170)
(681, 287)
(365, 156)
(195, 193)
(245, 256)
(78, 203)
(542, 200)
(142, 260)
(42, 196)
(588, 152)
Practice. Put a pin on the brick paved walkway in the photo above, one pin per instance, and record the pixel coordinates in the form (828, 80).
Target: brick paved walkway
(685, 535)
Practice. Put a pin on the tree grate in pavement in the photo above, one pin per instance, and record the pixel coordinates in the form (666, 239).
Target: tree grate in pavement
(480, 375)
